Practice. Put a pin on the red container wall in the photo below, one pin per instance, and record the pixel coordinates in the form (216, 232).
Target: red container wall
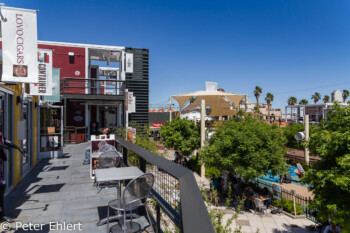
(70, 67)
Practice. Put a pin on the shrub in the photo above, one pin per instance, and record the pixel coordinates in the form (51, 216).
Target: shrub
(194, 165)
(288, 206)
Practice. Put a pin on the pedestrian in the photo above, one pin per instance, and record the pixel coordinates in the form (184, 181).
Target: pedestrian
(5, 144)
(279, 121)
(176, 156)
(332, 228)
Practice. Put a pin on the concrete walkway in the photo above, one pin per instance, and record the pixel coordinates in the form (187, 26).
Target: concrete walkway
(59, 190)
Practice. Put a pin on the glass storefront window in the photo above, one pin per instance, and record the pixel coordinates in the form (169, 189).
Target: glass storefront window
(50, 129)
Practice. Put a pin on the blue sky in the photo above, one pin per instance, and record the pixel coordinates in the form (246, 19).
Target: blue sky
(289, 47)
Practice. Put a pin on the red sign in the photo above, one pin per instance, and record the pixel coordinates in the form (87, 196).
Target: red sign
(157, 125)
(96, 144)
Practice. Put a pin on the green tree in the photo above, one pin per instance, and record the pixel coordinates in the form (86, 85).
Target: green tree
(326, 99)
(269, 98)
(345, 94)
(290, 131)
(329, 178)
(248, 147)
(257, 91)
(292, 100)
(182, 135)
(316, 97)
(303, 102)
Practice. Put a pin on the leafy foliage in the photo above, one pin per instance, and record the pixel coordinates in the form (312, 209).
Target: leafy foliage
(257, 91)
(247, 146)
(303, 102)
(330, 177)
(182, 135)
(326, 99)
(345, 94)
(142, 140)
(289, 206)
(316, 97)
(292, 100)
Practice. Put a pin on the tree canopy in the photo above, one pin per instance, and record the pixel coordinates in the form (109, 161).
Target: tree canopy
(182, 135)
(316, 97)
(246, 146)
(257, 91)
(303, 102)
(329, 178)
(345, 94)
(292, 100)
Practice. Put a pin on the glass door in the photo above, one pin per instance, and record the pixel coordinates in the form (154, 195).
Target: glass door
(27, 143)
(6, 127)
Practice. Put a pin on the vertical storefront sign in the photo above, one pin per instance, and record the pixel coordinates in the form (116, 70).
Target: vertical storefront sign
(55, 97)
(44, 86)
(19, 44)
(129, 63)
(130, 102)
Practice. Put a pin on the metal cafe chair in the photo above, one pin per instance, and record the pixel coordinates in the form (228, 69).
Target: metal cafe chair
(106, 148)
(134, 196)
(107, 160)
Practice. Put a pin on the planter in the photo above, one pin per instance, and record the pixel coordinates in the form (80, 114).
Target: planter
(301, 216)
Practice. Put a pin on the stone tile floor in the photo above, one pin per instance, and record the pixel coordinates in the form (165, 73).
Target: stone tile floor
(60, 190)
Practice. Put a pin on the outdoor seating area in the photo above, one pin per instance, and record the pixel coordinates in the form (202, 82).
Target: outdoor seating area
(61, 191)
(110, 196)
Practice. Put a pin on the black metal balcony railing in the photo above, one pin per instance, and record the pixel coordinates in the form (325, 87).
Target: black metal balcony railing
(187, 213)
(91, 86)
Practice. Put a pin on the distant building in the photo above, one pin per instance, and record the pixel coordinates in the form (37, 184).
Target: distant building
(337, 96)
(248, 106)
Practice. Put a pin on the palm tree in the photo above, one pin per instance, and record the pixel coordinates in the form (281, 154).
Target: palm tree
(269, 99)
(345, 95)
(257, 91)
(326, 99)
(303, 102)
(292, 100)
(316, 97)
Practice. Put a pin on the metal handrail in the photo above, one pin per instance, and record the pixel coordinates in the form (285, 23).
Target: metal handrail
(194, 217)
(67, 129)
(89, 86)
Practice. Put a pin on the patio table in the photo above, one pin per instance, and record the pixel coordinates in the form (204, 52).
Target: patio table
(115, 174)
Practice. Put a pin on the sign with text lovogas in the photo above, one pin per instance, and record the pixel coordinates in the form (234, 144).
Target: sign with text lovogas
(19, 44)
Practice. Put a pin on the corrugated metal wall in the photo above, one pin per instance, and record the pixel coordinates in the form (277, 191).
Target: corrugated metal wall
(159, 117)
(138, 83)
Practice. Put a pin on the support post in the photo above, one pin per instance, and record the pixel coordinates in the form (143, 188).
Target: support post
(142, 164)
(202, 133)
(293, 194)
(307, 138)
(158, 229)
(125, 156)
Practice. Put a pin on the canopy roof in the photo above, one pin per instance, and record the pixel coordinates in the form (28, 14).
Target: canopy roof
(214, 99)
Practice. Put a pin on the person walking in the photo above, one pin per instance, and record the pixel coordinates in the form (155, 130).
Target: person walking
(5, 145)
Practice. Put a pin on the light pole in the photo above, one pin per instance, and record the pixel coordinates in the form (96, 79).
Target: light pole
(202, 133)
(170, 116)
(204, 111)
(307, 138)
